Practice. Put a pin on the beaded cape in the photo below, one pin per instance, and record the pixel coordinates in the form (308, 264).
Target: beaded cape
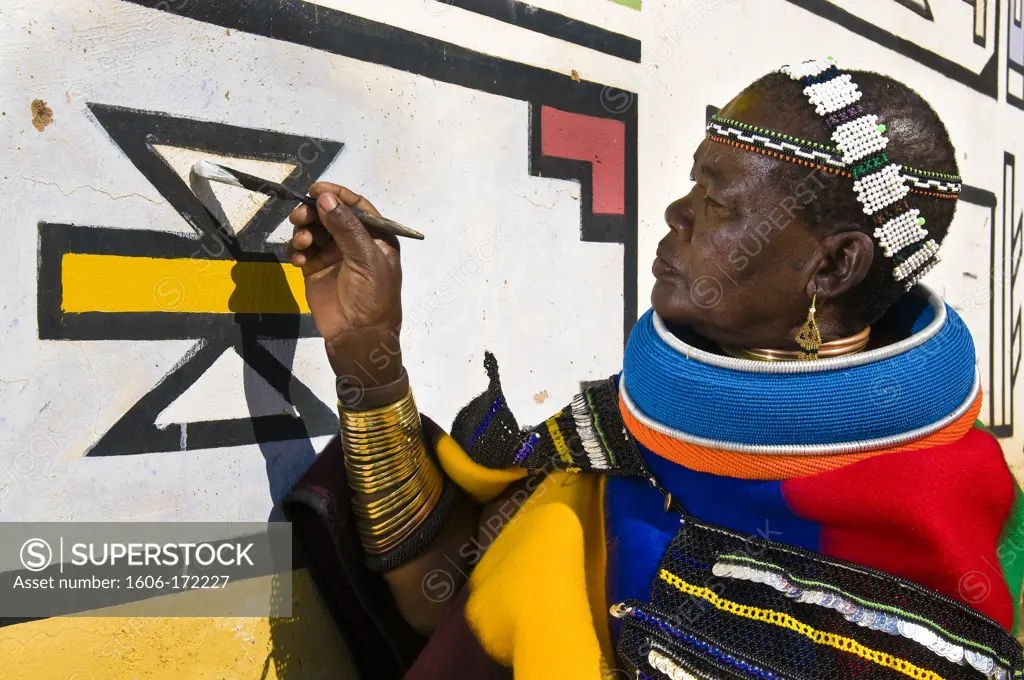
(841, 520)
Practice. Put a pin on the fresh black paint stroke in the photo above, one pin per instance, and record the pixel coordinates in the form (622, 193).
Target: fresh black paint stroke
(986, 82)
(555, 25)
(336, 32)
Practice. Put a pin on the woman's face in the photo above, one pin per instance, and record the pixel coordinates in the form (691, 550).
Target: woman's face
(737, 262)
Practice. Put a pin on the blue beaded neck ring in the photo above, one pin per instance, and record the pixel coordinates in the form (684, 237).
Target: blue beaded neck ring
(881, 185)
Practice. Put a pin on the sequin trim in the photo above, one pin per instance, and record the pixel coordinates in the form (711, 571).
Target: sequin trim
(670, 668)
(840, 642)
(588, 436)
(891, 611)
(863, 613)
(697, 644)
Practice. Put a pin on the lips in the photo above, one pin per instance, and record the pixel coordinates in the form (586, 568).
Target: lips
(662, 269)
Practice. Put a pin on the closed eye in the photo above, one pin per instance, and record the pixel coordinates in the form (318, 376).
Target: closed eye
(708, 201)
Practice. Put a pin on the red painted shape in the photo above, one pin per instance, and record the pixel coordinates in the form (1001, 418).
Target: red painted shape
(932, 516)
(601, 141)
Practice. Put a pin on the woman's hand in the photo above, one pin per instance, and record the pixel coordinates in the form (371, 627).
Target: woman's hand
(353, 284)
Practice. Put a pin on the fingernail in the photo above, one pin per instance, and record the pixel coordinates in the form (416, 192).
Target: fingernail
(328, 202)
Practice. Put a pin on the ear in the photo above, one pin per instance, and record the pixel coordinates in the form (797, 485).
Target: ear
(845, 260)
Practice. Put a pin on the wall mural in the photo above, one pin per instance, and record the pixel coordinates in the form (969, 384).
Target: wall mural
(555, 25)
(1004, 339)
(969, 60)
(224, 290)
(229, 292)
(568, 143)
(1015, 55)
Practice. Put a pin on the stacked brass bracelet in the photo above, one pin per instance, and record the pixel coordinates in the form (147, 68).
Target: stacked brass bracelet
(395, 483)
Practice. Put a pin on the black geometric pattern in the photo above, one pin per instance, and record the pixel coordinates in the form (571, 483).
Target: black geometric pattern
(135, 133)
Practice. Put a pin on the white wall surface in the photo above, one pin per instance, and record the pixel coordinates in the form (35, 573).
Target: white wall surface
(503, 266)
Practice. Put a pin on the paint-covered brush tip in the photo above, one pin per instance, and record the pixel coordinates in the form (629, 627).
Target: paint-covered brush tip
(212, 171)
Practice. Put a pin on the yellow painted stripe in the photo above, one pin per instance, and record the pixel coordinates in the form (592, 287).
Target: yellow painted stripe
(556, 437)
(115, 283)
(821, 637)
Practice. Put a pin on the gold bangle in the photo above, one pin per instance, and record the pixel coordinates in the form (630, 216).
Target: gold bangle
(397, 519)
(385, 452)
(376, 483)
(376, 462)
(376, 472)
(383, 483)
(402, 409)
(404, 492)
(386, 506)
(376, 437)
(379, 460)
(361, 445)
(406, 422)
(406, 529)
(383, 528)
(380, 409)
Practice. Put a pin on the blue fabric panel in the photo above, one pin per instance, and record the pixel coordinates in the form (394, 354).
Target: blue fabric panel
(638, 530)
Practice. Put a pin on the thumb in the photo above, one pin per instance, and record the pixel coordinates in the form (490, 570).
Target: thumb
(348, 232)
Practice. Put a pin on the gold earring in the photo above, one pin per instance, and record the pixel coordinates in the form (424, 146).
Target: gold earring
(809, 337)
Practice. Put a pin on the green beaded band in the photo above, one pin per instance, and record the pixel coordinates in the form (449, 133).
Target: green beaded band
(797, 149)
(935, 175)
(775, 135)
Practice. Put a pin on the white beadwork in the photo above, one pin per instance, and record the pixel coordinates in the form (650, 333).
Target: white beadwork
(785, 147)
(833, 95)
(934, 184)
(900, 232)
(859, 139)
(881, 188)
(923, 254)
(912, 281)
(807, 69)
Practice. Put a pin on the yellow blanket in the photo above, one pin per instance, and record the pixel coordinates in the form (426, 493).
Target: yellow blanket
(537, 596)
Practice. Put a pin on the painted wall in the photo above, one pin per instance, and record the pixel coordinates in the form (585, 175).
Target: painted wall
(165, 370)
(159, 363)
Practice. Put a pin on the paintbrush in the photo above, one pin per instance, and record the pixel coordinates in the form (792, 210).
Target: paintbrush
(218, 173)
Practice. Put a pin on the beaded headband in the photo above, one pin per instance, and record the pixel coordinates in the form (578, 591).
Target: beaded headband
(859, 153)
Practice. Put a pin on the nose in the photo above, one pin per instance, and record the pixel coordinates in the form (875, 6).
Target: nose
(679, 216)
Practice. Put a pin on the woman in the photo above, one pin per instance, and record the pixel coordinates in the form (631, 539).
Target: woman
(786, 387)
